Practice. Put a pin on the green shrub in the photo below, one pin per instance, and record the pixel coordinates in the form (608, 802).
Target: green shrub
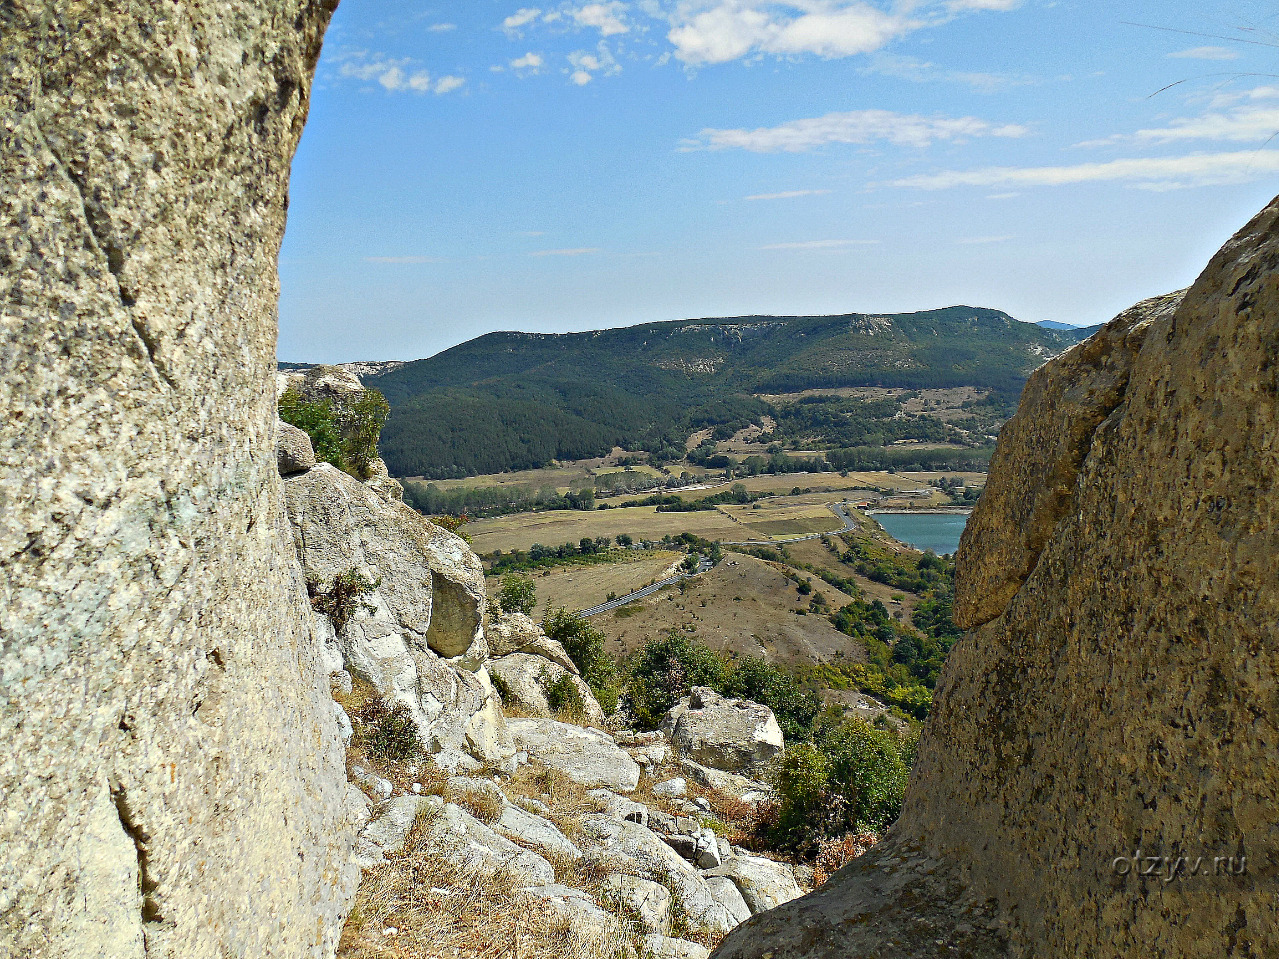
(341, 600)
(795, 706)
(388, 731)
(851, 780)
(585, 647)
(344, 436)
(318, 421)
(517, 594)
(664, 670)
(563, 696)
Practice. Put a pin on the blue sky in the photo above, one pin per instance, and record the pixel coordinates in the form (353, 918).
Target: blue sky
(489, 165)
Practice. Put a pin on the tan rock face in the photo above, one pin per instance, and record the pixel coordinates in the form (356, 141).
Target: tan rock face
(1118, 693)
(171, 777)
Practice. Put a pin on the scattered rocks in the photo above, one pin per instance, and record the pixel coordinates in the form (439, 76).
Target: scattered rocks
(533, 830)
(671, 788)
(620, 807)
(456, 833)
(749, 790)
(663, 947)
(586, 756)
(387, 832)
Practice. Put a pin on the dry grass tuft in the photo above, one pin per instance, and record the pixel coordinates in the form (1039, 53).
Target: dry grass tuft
(420, 906)
(484, 806)
(832, 854)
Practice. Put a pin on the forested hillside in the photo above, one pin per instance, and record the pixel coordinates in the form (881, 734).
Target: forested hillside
(517, 400)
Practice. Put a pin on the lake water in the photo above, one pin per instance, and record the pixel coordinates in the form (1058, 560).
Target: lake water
(936, 531)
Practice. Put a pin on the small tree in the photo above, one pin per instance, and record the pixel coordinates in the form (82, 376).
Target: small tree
(517, 594)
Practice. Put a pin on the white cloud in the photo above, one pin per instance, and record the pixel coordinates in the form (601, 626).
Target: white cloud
(607, 18)
(962, 6)
(394, 76)
(820, 245)
(1155, 173)
(860, 126)
(787, 195)
(521, 18)
(716, 31)
(448, 84)
(1206, 53)
(586, 65)
(983, 240)
(529, 63)
(442, 27)
(580, 251)
(1240, 125)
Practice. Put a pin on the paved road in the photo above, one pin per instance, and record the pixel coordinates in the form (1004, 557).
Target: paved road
(836, 508)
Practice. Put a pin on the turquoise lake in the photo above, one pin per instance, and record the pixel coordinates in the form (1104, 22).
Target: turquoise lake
(936, 531)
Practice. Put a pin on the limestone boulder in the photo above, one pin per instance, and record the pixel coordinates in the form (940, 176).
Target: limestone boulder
(293, 451)
(516, 633)
(664, 947)
(734, 735)
(526, 680)
(173, 781)
(389, 829)
(647, 901)
(541, 834)
(321, 384)
(1116, 689)
(449, 831)
(586, 756)
(763, 883)
(727, 895)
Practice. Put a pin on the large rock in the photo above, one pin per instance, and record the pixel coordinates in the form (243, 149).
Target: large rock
(172, 778)
(528, 678)
(293, 450)
(1120, 694)
(729, 734)
(417, 636)
(585, 756)
(450, 832)
(516, 633)
(764, 884)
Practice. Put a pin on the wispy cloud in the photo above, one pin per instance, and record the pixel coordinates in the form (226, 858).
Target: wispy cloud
(787, 195)
(1206, 53)
(608, 18)
(529, 63)
(819, 245)
(966, 6)
(586, 65)
(442, 27)
(1155, 173)
(514, 24)
(858, 127)
(579, 251)
(403, 75)
(983, 240)
(1230, 122)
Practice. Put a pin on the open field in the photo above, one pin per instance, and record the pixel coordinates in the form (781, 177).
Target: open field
(574, 475)
(784, 516)
(522, 530)
(581, 587)
(744, 605)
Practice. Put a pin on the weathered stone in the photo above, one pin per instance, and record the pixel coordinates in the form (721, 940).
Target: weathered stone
(619, 807)
(672, 788)
(649, 903)
(729, 734)
(527, 679)
(764, 884)
(532, 830)
(588, 923)
(456, 834)
(293, 452)
(516, 633)
(663, 947)
(387, 832)
(585, 756)
(161, 700)
(378, 479)
(727, 895)
(635, 850)
(730, 784)
(1117, 694)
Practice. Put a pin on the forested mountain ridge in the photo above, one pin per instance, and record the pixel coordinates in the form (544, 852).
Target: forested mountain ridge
(518, 400)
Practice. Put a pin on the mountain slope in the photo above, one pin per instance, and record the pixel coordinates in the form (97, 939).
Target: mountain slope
(518, 400)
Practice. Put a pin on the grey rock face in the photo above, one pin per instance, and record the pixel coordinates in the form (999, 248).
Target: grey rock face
(387, 832)
(293, 451)
(648, 902)
(1118, 687)
(516, 633)
(764, 884)
(728, 734)
(663, 947)
(528, 678)
(586, 756)
(532, 830)
(417, 635)
(726, 894)
(160, 693)
(456, 834)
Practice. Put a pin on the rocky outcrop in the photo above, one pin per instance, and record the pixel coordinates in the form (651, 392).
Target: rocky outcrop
(734, 735)
(516, 633)
(526, 681)
(1116, 696)
(172, 780)
(416, 634)
(586, 756)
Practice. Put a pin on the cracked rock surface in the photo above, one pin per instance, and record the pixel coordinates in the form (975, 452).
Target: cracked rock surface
(172, 782)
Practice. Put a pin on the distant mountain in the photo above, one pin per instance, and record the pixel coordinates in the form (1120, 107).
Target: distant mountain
(519, 400)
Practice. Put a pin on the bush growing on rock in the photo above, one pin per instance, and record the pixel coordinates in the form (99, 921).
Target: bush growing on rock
(563, 697)
(387, 731)
(517, 594)
(345, 436)
(585, 646)
(340, 601)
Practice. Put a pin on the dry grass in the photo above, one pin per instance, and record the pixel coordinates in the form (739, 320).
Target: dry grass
(421, 906)
(833, 854)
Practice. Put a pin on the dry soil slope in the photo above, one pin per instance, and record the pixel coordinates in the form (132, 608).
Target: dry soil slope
(1117, 690)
